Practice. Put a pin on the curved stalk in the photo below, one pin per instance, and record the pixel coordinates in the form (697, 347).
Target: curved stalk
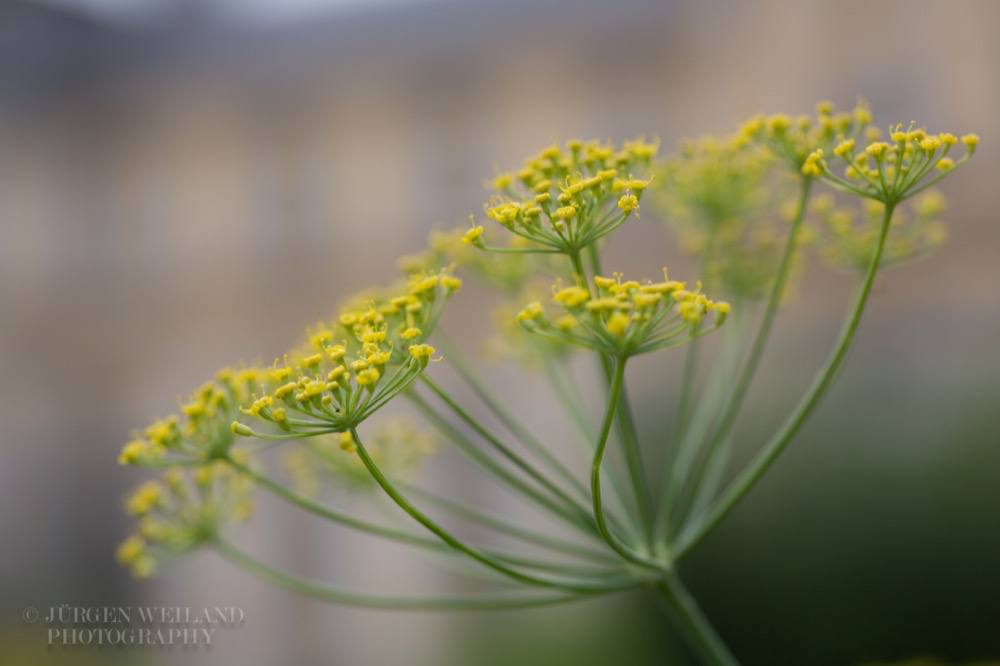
(626, 421)
(452, 540)
(627, 553)
(428, 543)
(508, 528)
(573, 404)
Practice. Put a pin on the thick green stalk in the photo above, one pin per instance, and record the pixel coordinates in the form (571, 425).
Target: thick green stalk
(694, 626)
(636, 467)
(721, 508)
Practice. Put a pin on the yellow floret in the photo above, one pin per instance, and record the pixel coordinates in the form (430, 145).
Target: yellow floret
(628, 203)
(572, 297)
(877, 149)
(131, 550)
(844, 148)
(617, 323)
(346, 442)
(565, 212)
(421, 351)
(367, 377)
(473, 236)
(147, 496)
(531, 312)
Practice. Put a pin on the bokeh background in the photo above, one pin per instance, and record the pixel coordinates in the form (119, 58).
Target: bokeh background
(187, 183)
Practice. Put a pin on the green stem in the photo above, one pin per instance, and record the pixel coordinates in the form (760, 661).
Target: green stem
(694, 626)
(627, 553)
(452, 540)
(533, 537)
(573, 404)
(690, 537)
(578, 270)
(626, 422)
(313, 589)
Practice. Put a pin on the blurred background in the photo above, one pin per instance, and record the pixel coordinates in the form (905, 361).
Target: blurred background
(188, 183)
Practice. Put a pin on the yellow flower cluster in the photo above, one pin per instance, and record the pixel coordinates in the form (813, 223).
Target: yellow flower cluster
(201, 431)
(718, 195)
(625, 318)
(354, 365)
(848, 238)
(715, 181)
(793, 140)
(892, 172)
(565, 198)
(183, 510)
